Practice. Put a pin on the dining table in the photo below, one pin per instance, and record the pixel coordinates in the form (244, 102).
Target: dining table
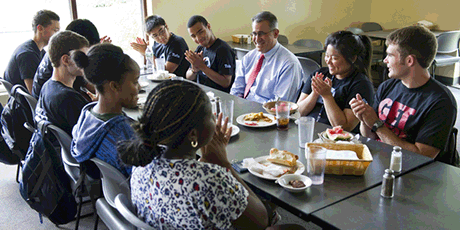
(254, 142)
(426, 198)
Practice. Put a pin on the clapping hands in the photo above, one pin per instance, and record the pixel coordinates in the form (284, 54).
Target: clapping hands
(320, 86)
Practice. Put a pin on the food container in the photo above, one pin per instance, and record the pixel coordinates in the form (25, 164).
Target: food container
(284, 182)
(269, 105)
(240, 38)
(347, 167)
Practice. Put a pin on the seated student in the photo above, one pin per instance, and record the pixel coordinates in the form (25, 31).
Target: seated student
(102, 124)
(26, 58)
(207, 194)
(168, 48)
(59, 103)
(270, 71)
(213, 62)
(411, 109)
(44, 71)
(327, 92)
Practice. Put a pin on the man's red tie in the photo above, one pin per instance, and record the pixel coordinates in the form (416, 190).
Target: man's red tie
(253, 75)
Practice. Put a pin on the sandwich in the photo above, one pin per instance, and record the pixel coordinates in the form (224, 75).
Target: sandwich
(282, 157)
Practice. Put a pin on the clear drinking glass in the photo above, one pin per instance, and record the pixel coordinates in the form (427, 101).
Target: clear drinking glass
(316, 163)
(306, 127)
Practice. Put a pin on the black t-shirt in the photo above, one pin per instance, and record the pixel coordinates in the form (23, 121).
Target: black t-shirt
(173, 51)
(23, 63)
(220, 58)
(343, 91)
(60, 105)
(425, 114)
(45, 71)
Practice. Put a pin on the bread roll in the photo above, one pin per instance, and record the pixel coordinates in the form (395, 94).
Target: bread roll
(282, 157)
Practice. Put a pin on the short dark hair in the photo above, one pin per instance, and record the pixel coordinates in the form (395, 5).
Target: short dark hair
(85, 28)
(153, 21)
(195, 19)
(350, 46)
(104, 62)
(44, 17)
(417, 41)
(62, 43)
(171, 111)
(266, 16)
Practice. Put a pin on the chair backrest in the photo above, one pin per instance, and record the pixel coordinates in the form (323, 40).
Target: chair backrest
(8, 86)
(371, 26)
(448, 41)
(71, 166)
(311, 43)
(283, 39)
(113, 181)
(308, 66)
(240, 54)
(30, 99)
(355, 30)
(127, 210)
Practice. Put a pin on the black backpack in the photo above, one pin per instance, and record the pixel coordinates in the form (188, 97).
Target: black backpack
(6, 156)
(45, 185)
(14, 115)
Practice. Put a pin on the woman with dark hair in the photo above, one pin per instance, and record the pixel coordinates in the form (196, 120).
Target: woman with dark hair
(169, 187)
(327, 91)
(102, 124)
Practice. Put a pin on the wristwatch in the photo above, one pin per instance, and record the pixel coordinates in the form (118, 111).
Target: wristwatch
(377, 125)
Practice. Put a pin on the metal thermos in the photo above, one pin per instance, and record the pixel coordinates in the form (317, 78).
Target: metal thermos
(388, 184)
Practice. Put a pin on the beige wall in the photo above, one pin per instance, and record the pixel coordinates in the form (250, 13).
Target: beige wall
(312, 19)
(399, 13)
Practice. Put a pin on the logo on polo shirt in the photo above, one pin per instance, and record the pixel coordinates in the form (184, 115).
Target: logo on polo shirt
(175, 55)
(227, 66)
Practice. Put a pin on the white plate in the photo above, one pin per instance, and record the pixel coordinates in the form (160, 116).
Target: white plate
(143, 84)
(263, 160)
(153, 77)
(235, 130)
(240, 120)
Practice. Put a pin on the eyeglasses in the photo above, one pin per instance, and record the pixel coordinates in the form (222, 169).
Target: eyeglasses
(260, 33)
(161, 32)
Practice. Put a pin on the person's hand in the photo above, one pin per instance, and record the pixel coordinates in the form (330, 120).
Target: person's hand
(140, 45)
(363, 111)
(196, 60)
(320, 86)
(105, 39)
(215, 151)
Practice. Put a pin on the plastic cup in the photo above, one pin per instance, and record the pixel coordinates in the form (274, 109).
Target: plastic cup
(316, 163)
(306, 130)
(282, 115)
(227, 111)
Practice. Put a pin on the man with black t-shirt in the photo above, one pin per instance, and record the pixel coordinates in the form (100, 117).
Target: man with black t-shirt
(59, 103)
(168, 48)
(213, 62)
(26, 58)
(411, 110)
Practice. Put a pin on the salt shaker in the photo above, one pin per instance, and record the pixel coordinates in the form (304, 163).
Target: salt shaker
(388, 184)
(217, 105)
(396, 159)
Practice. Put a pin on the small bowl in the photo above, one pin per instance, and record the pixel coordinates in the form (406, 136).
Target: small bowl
(284, 182)
(271, 104)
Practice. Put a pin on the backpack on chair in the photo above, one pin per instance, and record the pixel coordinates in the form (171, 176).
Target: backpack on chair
(6, 156)
(45, 185)
(14, 115)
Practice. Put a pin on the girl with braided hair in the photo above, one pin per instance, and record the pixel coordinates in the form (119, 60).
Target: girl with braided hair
(169, 187)
(327, 91)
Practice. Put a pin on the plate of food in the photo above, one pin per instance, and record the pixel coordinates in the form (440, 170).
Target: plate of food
(335, 134)
(275, 165)
(270, 107)
(256, 120)
(160, 75)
